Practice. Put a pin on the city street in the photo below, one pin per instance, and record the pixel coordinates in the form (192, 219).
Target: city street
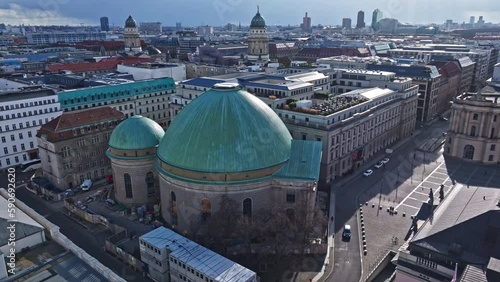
(406, 163)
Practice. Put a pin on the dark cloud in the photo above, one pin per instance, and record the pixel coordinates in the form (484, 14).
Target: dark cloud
(218, 12)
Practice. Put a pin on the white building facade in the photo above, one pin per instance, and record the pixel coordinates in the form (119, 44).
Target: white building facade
(22, 112)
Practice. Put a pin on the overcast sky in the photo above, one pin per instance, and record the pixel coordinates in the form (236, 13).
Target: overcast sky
(219, 12)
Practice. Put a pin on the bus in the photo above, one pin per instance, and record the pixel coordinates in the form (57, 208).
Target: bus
(31, 165)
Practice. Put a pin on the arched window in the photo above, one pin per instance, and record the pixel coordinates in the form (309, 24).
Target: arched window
(173, 208)
(206, 209)
(65, 151)
(247, 207)
(473, 131)
(150, 184)
(128, 185)
(468, 152)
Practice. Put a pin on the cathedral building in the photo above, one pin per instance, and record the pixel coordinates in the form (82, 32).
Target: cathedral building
(225, 143)
(258, 41)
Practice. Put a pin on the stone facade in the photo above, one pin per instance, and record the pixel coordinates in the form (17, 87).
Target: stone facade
(144, 187)
(72, 154)
(356, 138)
(188, 204)
(474, 129)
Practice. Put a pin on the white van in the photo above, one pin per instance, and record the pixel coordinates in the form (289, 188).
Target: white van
(87, 183)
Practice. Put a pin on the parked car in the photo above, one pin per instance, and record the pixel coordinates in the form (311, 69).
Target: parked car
(384, 161)
(87, 183)
(443, 119)
(347, 232)
(379, 164)
(368, 172)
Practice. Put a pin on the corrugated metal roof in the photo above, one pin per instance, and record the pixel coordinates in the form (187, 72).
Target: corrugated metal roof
(304, 163)
(199, 258)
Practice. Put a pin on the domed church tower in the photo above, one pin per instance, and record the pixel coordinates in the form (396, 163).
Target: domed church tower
(258, 40)
(131, 37)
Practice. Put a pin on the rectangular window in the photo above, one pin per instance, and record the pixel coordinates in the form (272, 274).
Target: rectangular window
(492, 147)
(490, 158)
(290, 197)
(20, 136)
(475, 117)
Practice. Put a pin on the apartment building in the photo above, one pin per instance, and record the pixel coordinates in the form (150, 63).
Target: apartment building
(42, 38)
(426, 77)
(149, 98)
(170, 257)
(427, 52)
(353, 126)
(73, 146)
(22, 111)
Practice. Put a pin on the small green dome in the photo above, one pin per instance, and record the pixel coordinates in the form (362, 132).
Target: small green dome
(130, 22)
(225, 130)
(136, 133)
(258, 21)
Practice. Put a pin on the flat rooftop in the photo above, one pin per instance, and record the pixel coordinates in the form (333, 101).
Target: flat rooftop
(25, 93)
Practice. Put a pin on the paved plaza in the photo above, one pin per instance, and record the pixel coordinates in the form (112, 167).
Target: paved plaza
(386, 231)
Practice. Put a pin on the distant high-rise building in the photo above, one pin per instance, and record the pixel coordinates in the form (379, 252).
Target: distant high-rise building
(306, 23)
(376, 17)
(480, 22)
(104, 24)
(472, 20)
(346, 23)
(361, 20)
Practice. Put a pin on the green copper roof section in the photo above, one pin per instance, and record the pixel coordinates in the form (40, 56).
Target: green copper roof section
(258, 21)
(304, 163)
(225, 130)
(136, 133)
(130, 22)
(100, 94)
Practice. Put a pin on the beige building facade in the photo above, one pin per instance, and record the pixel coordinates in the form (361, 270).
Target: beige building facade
(72, 146)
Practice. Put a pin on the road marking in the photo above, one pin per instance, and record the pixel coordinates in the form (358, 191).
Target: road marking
(419, 185)
(414, 199)
(406, 205)
(418, 192)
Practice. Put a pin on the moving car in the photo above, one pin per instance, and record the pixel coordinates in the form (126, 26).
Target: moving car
(347, 232)
(368, 172)
(384, 161)
(379, 165)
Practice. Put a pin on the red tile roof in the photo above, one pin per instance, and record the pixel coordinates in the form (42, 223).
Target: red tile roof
(61, 127)
(106, 64)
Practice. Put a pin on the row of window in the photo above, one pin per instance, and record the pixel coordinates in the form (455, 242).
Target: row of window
(13, 137)
(21, 125)
(16, 160)
(14, 148)
(29, 113)
(26, 105)
(189, 269)
(104, 96)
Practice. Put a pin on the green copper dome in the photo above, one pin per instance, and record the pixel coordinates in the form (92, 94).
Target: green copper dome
(225, 130)
(136, 133)
(130, 22)
(258, 21)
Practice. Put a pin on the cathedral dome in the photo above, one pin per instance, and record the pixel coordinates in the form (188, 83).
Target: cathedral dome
(136, 133)
(258, 21)
(225, 130)
(130, 22)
